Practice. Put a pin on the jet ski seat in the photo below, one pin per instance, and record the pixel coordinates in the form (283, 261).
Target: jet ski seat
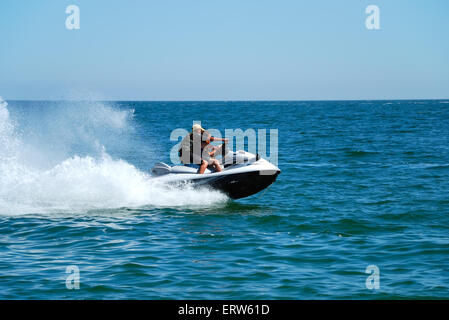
(160, 169)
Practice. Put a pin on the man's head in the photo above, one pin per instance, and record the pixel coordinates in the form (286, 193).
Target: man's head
(196, 128)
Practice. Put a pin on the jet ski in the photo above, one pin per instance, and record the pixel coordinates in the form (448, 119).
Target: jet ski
(243, 175)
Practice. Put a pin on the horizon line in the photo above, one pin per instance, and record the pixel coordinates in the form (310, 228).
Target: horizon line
(232, 100)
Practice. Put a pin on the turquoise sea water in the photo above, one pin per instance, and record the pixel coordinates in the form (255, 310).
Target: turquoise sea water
(362, 183)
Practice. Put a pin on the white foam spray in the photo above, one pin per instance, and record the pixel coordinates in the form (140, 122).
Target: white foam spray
(34, 179)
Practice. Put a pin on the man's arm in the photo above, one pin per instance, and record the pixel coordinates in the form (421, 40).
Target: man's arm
(217, 150)
(219, 139)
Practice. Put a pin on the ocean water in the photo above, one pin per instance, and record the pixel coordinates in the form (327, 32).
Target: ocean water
(363, 183)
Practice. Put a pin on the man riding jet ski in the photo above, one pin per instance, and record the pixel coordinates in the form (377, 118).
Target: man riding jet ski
(196, 149)
(239, 174)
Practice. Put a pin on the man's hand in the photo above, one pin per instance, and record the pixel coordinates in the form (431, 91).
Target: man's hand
(213, 150)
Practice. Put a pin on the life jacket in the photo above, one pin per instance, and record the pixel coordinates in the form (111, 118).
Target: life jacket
(187, 147)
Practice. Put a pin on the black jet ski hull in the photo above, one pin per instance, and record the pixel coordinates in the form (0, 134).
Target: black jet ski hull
(239, 185)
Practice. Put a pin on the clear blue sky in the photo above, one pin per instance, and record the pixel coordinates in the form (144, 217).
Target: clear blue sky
(224, 50)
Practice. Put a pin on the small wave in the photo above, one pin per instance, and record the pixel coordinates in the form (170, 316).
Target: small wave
(324, 164)
(424, 166)
(360, 153)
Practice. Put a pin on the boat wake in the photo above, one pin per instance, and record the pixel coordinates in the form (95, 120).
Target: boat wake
(49, 173)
